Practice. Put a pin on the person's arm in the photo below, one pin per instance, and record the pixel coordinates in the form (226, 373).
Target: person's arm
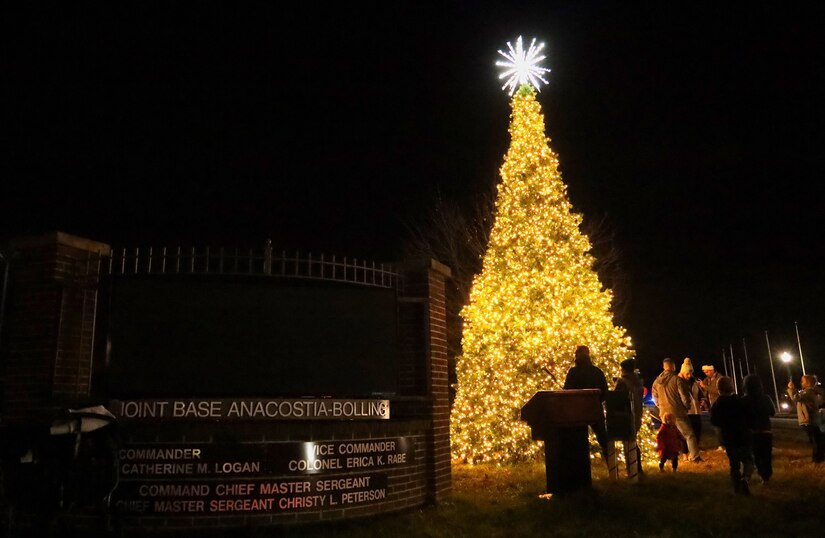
(602, 384)
(819, 396)
(702, 392)
(769, 407)
(715, 419)
(792, 394)
(684, 393)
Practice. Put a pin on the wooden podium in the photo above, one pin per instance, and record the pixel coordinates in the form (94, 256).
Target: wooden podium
(560, 419)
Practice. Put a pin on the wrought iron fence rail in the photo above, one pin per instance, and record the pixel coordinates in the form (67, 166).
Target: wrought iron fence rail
(263, 262)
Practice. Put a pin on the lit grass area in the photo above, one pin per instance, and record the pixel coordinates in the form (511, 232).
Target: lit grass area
(491, 501)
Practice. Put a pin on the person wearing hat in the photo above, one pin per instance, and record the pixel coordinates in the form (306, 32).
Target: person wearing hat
(631, 382)
(709, 384)
(694, 413)
(672, 394)
(711, 387)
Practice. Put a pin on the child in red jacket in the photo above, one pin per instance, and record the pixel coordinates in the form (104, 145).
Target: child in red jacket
(669, 442)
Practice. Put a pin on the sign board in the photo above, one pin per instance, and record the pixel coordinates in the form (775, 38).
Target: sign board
(252, 409)
(261, 477)
(262, 496)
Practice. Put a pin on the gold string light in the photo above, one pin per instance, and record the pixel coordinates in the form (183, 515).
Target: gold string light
(536, 299)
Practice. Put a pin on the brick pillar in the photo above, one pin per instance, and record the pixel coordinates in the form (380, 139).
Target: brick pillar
(49, 322)
(424, 288)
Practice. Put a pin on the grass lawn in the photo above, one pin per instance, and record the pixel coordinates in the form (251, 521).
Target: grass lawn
(490, 501)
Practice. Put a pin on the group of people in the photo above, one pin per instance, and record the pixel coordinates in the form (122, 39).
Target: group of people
(743, 422)
(678, 397)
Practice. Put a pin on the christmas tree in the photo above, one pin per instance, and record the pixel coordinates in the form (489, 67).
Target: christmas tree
(536, 299)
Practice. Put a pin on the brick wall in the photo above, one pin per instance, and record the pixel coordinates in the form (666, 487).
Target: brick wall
(49, 329)
(49, 324)
(424, 291)
(440, 474)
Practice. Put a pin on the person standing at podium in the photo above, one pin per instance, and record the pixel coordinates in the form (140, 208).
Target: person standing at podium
(584, 375)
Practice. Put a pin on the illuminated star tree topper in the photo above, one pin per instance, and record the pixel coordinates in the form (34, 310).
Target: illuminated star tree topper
(522, 66)
(536, 299)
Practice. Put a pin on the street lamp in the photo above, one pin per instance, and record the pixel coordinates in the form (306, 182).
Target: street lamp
(786, 358)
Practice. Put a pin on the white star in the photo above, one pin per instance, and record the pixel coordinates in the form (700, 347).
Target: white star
(522, 67)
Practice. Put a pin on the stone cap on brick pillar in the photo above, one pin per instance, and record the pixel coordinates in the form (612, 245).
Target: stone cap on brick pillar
(58, 238)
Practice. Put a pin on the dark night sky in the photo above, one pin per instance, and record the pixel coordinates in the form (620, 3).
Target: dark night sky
(695, 132)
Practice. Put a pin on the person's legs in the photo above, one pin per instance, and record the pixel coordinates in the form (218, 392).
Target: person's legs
(746, 457)
(696, 424)
(735, 466)
(687, 432)
(762, 454)
(601, 436)
(662, 461)
(719, 444)
(817, 443)
(674, 463)
(809, 431)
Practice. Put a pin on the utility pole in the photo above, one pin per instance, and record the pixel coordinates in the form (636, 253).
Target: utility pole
(773, 374)
(725, 362)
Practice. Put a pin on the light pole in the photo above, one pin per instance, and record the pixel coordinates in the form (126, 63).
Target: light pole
(786, 358)
(799, 343)
(773, 374)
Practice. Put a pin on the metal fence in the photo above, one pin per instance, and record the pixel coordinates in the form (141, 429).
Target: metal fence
(260, 262)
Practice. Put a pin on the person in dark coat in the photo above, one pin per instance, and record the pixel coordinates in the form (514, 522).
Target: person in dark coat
(760, 410)
(731, 416)
(631, 383)
(584, 375)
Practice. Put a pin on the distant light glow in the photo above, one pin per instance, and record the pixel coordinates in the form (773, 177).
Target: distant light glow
(522, 67)
(786, 357)
(786, 405)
